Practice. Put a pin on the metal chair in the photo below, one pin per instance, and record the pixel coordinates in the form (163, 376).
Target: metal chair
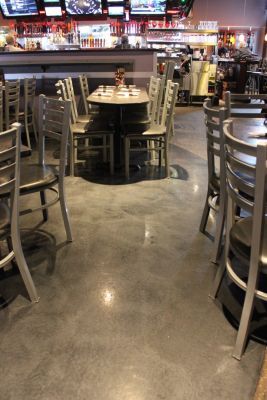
(12, 97)
(216, 180)
(54, 117)
(158, 132)
(80, 131)
(9, 209)
(246, 239)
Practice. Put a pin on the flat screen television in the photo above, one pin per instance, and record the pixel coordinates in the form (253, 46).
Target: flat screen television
(115, 1)
(148, 7)
(115, 11)
(53, 11)
(83, 7)
(18, 8)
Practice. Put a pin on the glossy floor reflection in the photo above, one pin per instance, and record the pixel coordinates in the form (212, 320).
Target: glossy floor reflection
(124, 310)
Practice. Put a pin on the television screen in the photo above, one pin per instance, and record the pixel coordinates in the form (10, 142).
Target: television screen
(53, 11)
(148, 7)
(18, 8)
(115, 10)
(51, 1)
(115, 1)
(83, 7)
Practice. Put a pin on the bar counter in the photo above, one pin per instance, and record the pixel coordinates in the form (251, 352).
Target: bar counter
(98, 64)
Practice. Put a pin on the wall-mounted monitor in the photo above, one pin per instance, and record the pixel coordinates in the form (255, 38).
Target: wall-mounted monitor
(83, 7)
(115, 11)
(18, 8)
(51, 1)
(54, 11)
(115, 1)
(148, 7)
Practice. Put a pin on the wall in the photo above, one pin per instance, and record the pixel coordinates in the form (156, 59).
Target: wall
(234, 14)
(231, 12)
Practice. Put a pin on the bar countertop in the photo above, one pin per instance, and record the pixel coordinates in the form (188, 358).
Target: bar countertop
(81, 56)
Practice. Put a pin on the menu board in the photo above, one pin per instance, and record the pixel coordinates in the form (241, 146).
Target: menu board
(18, 8)
(148, 7)
(83, 7)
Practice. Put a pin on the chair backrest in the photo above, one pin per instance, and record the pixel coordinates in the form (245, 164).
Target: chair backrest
(246, 171)
(71, 95)
(54, 122)
(169, 106)
(153, 94)
(1, 108)
(12, 95)
(10, 161)
(214, 118)
(246, 105)
(84, 92)
(64, 95)
(29, 95)
(168, 70)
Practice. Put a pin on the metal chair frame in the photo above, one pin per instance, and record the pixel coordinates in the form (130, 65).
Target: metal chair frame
(246, 188)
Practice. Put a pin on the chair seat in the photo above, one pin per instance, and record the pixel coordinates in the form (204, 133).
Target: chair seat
(153, 132)
(240, 240)
(34, 176)
(84, 118)
(79, 128)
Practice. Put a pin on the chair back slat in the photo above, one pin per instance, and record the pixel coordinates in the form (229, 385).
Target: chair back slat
(240, 174)
(12, 96)
(9, 158)
(169, 106)
(153, 94)
(54, 122)
(84, 92)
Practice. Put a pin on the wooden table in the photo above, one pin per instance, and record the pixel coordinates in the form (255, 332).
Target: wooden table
(120, 97)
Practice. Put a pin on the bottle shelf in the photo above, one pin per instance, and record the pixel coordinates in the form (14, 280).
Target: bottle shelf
(197, 31)
(184, 43)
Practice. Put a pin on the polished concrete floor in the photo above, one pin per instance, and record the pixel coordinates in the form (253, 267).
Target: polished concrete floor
(124, 312)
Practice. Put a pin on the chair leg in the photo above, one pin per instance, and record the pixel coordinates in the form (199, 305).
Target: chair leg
(23, 267)
(127, 156)
(166, 155)
(160, 153)
(71, 150)
(34, 129)
(43, 202)
(105, 149)
(205, 214)
(111, 154)
(64, 210)
(27, 132)
(219, 233)
(245, 317)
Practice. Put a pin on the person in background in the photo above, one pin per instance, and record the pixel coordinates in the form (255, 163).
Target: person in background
(11, 44)
(124, 42)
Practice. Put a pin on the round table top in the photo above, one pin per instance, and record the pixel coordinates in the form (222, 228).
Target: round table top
(119, 96)
(250, 130)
